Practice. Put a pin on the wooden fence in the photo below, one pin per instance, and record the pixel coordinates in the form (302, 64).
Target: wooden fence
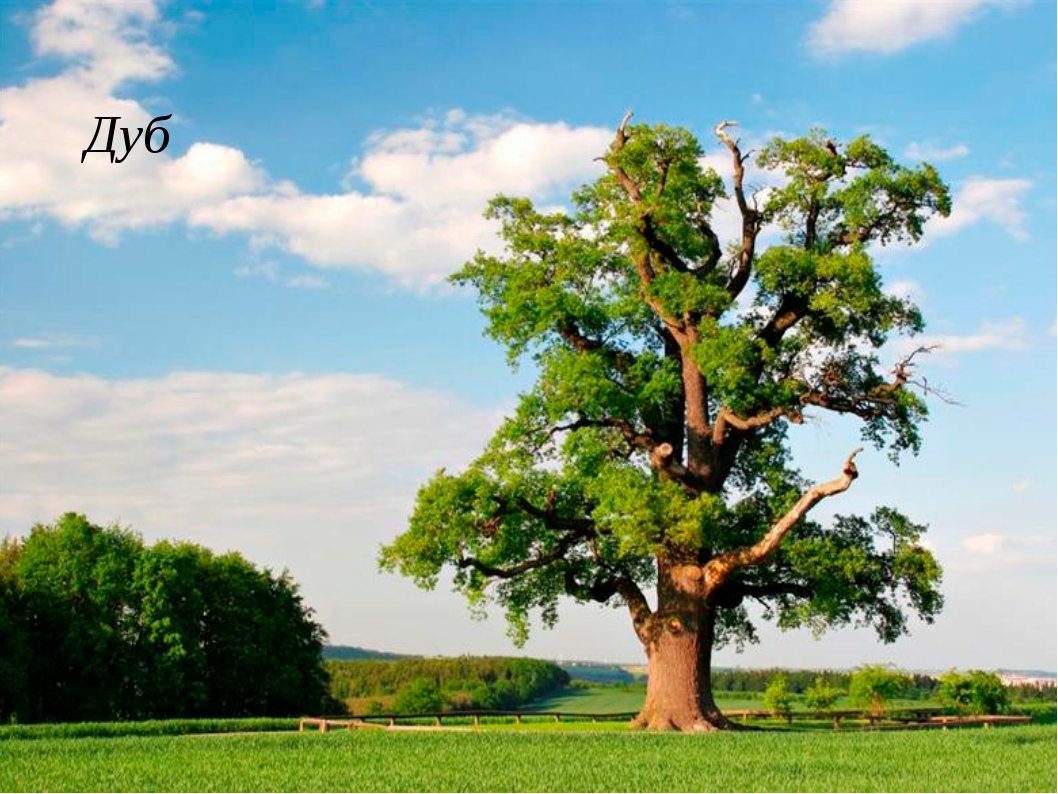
(906, 717)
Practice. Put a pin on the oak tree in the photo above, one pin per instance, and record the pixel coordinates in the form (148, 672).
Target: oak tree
(652, 453)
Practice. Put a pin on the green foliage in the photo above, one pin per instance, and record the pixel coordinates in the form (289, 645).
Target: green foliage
(872, 685)
(821, 696)
(777, 697)
(456, 684)
(570, 497)
(973, 692)
(421, 696)
(115, 629)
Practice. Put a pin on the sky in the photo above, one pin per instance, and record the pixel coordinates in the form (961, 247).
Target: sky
(246, 340)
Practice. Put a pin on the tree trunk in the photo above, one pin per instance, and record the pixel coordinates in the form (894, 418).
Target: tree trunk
(679, 685)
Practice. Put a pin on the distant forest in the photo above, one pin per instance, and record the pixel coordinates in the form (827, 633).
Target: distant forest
(422, 686)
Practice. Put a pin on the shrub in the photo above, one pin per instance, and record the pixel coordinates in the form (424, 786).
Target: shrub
(873, 685)
(421, 696)
(777, 698)
(973, 692)
(821, 696)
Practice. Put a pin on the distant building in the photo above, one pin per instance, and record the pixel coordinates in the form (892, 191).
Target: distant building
(1014, 679)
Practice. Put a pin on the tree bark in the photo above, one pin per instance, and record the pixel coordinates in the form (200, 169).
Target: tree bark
(679, 660)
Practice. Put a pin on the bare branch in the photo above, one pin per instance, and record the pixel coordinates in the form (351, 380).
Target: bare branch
(719, 568)
(750, 215)
(725, 418)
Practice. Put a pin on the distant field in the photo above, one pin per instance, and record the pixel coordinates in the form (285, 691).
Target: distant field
(1001, 759)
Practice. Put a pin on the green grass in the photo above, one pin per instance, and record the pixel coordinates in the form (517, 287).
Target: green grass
(72, 730)
(1000, 759)
(592, 700)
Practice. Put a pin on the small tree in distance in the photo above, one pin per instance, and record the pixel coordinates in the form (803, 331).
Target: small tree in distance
(873, 685)
(821, 696)
(652, 452)
(973, 692)
(777, 697)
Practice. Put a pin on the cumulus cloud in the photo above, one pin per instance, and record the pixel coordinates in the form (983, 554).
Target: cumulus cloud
(420, 212)
(931, 153)
(47, 122)
(888, 27)
(997, 201)
(415, 213)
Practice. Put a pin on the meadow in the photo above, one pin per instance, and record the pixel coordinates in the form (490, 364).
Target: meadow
(1000, 759)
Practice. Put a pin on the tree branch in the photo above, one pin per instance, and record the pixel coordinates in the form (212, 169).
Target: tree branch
(750, 216)
(636, 438)
(638, 608)
(725, 418)
(571, 333)
(564, 544)
(872, 403)
(719, 568)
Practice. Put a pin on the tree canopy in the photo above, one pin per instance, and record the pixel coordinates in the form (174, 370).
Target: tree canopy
(94, 625)
(652, 451)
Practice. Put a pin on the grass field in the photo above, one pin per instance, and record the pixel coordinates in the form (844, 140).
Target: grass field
(1001, 759)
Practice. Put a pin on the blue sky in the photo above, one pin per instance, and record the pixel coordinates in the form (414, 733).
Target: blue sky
(246, 340)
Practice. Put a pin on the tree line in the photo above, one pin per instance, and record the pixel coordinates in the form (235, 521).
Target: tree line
(421, 686)
(918, 686)
(97, 625)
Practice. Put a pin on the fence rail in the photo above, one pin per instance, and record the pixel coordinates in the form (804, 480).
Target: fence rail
(904, 717)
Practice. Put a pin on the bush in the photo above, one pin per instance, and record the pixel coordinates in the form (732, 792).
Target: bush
(422, 696)
(777, 698)
(973, 692)
(874, 685)
(821, 696)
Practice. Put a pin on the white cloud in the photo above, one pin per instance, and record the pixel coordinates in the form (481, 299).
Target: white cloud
(306, 281)
(931, 153)
(416, 218)
(1009, 334)
(420, 215)
(47, 122)
(988, 543)
(51, 341)
(890, 26)
(1021, 486)
(998, 201)
(310, 472)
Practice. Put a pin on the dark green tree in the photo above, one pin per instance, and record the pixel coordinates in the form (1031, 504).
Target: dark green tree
(652, 451)
(74, 582)
(95, 625)
(168, 586)
(15, 657)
